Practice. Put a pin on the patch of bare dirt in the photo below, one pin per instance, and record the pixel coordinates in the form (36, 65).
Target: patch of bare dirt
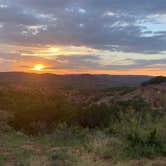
(34, 148)
(9, 163)
(5, 151)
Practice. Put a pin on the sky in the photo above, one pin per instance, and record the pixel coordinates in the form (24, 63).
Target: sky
(126, 37)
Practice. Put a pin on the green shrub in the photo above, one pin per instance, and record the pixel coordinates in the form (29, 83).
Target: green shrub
(35, 112)
(148, 146)
(94, 116)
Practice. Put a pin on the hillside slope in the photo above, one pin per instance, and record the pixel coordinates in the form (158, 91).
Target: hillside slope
(19, 79)
(154, 94)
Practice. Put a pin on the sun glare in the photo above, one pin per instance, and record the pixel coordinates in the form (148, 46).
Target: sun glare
(38, 67)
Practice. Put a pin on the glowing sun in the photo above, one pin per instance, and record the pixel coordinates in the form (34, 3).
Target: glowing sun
(38, 67)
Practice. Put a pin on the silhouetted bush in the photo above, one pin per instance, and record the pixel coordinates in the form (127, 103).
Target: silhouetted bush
(35, 112)
(94, 116)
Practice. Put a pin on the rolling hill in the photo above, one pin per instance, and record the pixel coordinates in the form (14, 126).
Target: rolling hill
(68, 81)
(152, 91)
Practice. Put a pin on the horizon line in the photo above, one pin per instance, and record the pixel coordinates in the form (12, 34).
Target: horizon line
(42, 73)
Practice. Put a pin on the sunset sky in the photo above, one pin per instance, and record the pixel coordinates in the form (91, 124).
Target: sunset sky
(83, 36)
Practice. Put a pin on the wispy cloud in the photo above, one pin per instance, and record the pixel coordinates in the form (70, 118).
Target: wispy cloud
(85, 33)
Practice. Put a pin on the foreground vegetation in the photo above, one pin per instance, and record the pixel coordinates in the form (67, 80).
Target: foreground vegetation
(38, 129)
(71, 147)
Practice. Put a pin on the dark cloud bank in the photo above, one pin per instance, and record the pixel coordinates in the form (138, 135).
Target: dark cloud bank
(115, 25)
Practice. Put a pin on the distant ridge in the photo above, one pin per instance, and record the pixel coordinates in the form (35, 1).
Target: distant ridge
(70, 80)
(155, 80)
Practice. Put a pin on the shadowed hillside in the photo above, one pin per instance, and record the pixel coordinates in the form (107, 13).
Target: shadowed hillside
(68, 81)
(155, 80)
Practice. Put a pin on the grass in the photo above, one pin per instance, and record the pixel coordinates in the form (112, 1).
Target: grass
(98, 149)
(128, 133)
(75, 146)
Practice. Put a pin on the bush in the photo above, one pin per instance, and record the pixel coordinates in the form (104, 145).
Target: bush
(95, 116)
(148, 146)
(37, 112)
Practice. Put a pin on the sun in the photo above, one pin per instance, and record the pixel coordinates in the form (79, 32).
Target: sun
(38, 67)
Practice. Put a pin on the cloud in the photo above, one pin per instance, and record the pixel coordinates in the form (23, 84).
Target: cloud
(109, 25)
(79, 63)
(139, 64)
(106, 24)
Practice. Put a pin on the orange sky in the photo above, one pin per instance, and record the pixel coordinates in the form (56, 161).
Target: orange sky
(97, 36)
(76, 60)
